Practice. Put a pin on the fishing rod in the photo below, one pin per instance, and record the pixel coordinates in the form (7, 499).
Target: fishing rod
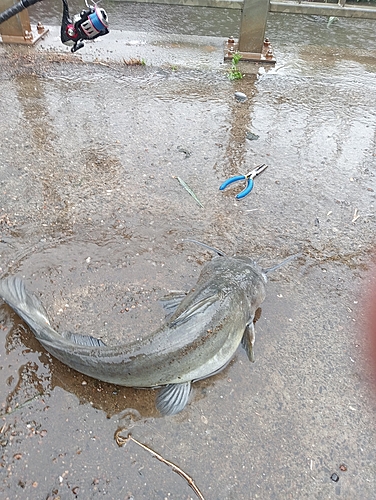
(15, 9)
(89, 24)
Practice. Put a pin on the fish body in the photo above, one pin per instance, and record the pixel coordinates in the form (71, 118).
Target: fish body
(198, 338)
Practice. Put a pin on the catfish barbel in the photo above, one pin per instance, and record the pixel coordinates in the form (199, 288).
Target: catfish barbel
(199, 337)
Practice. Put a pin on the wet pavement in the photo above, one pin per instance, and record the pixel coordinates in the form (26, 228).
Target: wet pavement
(93, 217)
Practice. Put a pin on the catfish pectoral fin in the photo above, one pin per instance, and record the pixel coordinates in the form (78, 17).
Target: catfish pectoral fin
(173, 398)
(248, 341)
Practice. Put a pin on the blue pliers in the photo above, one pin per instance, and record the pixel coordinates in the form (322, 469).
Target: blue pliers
(248, 177)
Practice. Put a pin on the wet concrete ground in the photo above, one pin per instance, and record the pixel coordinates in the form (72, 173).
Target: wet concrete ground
(93, 219)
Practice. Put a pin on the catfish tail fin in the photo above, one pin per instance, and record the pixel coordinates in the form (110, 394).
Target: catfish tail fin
(30, 309)
(26, 305)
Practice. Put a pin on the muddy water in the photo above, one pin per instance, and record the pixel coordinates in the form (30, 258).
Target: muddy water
(93, 219)
(151, 18)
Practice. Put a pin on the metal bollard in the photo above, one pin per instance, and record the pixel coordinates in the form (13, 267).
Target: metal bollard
(251, 44)
(18, 29)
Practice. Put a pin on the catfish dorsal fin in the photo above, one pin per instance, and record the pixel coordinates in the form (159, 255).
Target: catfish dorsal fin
(195, 308)
(172, 301)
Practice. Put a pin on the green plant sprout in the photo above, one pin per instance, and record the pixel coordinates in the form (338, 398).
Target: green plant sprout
(234, 73)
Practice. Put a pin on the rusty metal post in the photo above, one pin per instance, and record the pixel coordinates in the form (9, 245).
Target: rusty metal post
(18, 29)
(252, 26)
(251, 44)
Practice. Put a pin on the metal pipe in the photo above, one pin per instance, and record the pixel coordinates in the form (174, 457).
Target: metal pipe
(220, 4)
(15, 9)
(314, 8)
(322, 9)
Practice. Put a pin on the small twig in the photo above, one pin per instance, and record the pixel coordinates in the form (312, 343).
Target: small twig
(19, 407)
(356, 216)
(103, 64)
(189, 190)
(121, 441)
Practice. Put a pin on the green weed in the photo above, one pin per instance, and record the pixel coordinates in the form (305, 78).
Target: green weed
(234, 73)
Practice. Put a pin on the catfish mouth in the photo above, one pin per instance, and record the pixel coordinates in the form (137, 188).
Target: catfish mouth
(253, 265)
(246, 260)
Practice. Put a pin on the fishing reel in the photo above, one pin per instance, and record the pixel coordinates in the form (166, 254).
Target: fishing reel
(89, 24)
